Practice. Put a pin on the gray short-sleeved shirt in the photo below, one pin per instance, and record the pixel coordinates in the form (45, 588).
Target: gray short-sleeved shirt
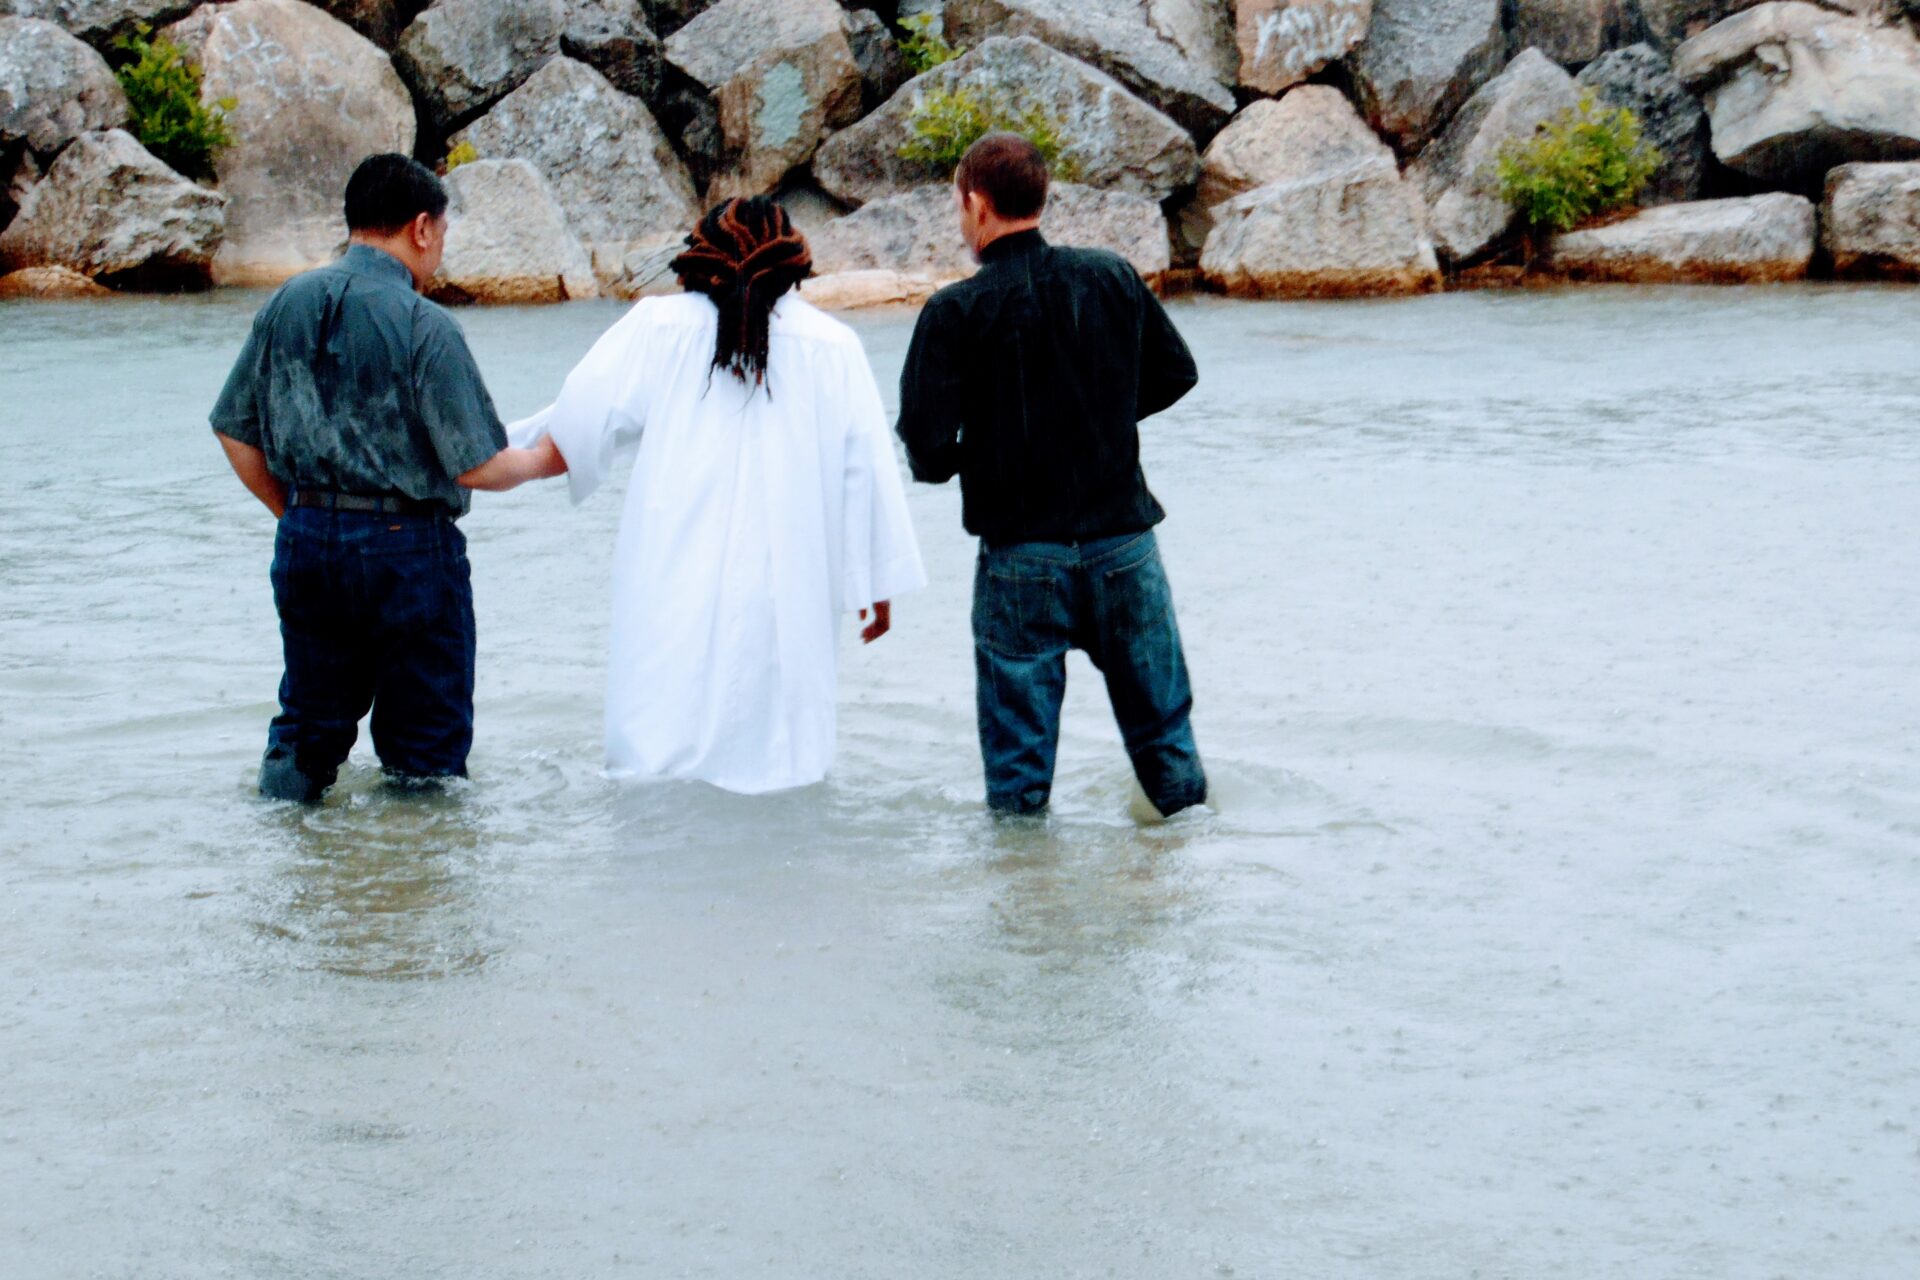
(353, 383)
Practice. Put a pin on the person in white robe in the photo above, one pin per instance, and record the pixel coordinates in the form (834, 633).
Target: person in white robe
(765, 504)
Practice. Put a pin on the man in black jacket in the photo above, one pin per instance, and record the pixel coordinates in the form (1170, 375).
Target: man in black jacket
(1028, 381)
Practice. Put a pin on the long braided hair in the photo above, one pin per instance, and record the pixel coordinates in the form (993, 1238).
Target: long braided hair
(744, 255)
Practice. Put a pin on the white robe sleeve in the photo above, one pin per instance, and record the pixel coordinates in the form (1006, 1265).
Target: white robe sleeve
(528, 432)
(601, 407)
(881, 555)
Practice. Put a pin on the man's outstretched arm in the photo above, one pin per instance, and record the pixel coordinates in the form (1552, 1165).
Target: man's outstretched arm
(511, 468)
(250, 464)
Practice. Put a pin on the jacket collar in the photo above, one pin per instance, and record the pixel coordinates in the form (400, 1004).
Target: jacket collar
(365, 260)
(1017, 245)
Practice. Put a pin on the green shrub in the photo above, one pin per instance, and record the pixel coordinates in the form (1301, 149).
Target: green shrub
(924, 47)
(1588, 160)
(461, 153)
(948, 121)
(163, 99)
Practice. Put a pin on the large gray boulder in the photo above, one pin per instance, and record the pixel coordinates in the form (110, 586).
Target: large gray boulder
(1574, 32)
(1794, 90)
(1329, 214)
(461, 56)
(1118, 36)
(1759, 240)
(919, 232)
(312, 99)
(1282, 42)
(1271, 139)
(783, 76)
(1115, 140)
(607, 162)
(612, 37)
(1203, 33)
(1421, 60)
(1313, 129)
(1640, 79)
(1458, 175)
(109, 210)
(52, 87)
(508, 241)
(1870, 222)
(97, 21)
(1132, 226)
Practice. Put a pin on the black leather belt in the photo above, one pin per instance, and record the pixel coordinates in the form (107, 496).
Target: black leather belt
(384, 506)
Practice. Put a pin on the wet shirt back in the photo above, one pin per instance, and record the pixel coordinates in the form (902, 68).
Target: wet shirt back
(351, 382)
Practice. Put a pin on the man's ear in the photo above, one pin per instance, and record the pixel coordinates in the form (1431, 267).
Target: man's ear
(421, 232)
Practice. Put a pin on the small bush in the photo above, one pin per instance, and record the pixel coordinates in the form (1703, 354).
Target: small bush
(948, 121)
(461, 153)
(163, 99)
(924, 47)
(1588, 160)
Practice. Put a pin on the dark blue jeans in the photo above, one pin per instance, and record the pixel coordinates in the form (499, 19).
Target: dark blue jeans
(376, 611)
(1034, 601)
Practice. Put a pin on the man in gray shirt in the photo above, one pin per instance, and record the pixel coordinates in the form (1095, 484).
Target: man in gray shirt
(356, 414)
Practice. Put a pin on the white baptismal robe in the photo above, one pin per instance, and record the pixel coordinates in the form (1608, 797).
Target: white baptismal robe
(755, 520)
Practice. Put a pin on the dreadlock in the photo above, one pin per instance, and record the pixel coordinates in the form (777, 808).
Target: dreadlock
(744, 255)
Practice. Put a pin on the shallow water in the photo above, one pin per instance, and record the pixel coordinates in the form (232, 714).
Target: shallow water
(1555, 656)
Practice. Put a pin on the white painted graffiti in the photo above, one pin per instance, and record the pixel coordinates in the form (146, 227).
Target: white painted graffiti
(1307, 37)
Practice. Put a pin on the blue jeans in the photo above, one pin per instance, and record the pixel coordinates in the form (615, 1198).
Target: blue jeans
(376, 611)
(1034, 601)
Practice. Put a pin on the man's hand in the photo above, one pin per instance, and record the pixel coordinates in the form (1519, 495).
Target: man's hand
(881, 624)
(250, 464)
(511, 468)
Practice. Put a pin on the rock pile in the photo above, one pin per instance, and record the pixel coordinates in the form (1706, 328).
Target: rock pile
(1275, 147)
(312, 98)
(114, 213)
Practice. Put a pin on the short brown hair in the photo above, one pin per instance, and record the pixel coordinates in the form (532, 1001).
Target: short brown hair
(1009, 171)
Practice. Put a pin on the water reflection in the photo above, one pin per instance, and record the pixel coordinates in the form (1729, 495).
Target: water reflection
(1072, 891)
(380, 881)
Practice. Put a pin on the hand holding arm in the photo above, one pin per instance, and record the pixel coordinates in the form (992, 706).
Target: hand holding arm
(250, 464)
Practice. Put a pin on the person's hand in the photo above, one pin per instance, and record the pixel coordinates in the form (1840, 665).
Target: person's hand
(547, 460)
(881, 624)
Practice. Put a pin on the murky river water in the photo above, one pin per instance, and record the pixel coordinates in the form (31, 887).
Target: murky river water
(1559, 916)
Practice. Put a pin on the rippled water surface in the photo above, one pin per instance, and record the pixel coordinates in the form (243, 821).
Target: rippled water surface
(1557, 917)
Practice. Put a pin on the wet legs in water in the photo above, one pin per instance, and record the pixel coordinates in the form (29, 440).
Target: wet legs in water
(374, 613)
(1034, 602)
